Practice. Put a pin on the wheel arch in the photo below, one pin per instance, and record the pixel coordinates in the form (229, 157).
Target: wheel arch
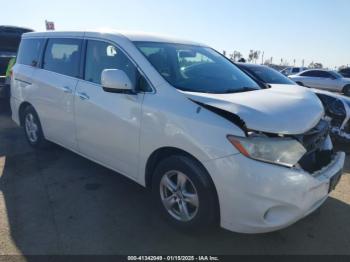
(21, 110)
(162, 153)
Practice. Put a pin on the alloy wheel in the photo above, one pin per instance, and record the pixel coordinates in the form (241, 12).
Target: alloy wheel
(179, 196)
(31, 128)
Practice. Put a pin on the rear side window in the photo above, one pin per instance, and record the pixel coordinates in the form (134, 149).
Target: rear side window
(325, 74)
(296, 70)
(63, 56)
(30, 51)
(310, 73)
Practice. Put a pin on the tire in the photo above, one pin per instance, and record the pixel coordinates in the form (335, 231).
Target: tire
(32, 129)
(346, 90)
(198, 194)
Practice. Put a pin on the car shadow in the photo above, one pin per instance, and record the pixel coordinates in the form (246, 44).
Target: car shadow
(56, 202)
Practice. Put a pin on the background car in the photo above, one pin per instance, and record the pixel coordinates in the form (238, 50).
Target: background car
(337, 107)
(323, 79)
(345, 72)
(10, 38)
(293, 70)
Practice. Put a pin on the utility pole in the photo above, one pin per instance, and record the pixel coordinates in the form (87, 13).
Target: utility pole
(303, 63)
(262, 57)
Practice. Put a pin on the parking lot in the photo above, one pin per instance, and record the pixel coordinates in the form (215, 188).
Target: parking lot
(56, 202)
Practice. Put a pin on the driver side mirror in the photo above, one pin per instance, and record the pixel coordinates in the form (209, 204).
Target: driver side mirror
(116, 81)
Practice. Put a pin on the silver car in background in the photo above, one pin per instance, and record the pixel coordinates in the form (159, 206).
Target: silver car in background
(293, 70)
(323, 79)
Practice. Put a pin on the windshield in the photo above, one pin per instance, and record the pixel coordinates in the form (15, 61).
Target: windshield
(195, 68)
(268, 75)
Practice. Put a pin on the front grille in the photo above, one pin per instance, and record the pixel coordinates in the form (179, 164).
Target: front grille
(316, 157)
(314, 139)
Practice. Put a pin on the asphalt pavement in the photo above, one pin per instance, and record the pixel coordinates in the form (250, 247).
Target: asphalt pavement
(56, 202)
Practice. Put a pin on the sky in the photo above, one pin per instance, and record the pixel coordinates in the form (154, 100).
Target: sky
(310, 30)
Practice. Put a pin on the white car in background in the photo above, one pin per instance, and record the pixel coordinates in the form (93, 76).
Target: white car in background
(178, 117)
(293, 70)
(323, 79)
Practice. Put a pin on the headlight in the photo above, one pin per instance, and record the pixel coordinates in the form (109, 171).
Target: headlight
(277, 150)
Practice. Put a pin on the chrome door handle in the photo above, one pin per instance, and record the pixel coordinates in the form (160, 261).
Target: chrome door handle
(83, 96)
(67, 90)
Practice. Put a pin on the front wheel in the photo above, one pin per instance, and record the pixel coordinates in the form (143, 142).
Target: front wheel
(346, 90)
(32, 128)
(185, 193)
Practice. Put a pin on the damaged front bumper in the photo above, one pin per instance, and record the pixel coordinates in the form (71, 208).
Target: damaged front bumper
(341, 136)
(257, 197)
(337, 109)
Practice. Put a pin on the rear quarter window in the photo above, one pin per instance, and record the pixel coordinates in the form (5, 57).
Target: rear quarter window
(29, 51)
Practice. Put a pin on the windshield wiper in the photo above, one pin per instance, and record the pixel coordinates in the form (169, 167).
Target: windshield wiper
(242, 89)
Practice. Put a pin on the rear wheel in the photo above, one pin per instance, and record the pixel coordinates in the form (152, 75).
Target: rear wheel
(185, 194)
(32, 128)
(346, 90)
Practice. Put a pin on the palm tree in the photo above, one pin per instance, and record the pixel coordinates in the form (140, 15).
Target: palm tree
(237, 55)
(251, 56)
(256, 56)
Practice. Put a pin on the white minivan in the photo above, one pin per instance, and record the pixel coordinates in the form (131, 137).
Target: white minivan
(214, 146)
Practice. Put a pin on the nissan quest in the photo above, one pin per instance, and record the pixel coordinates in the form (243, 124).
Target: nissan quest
(213, 145)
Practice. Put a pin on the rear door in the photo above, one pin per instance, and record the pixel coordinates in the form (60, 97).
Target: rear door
(327, 81)
(56, 83)
(310, 78)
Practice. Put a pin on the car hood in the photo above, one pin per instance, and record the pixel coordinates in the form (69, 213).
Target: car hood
(281, 109)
